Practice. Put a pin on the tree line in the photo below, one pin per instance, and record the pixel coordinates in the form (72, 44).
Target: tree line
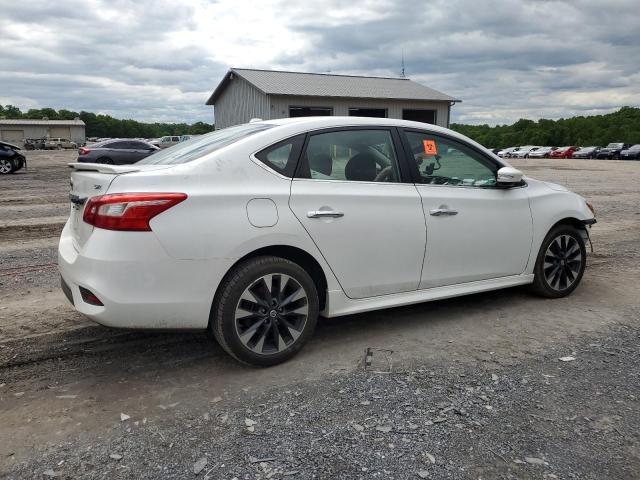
(107, 126)
(620, 126)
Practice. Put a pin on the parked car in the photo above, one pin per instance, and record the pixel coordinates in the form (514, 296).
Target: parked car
(586, 152)
(541, 152)
(523, 152)
(11, 160)
(631, 153)
(253, 231)
(59, 143)
(34, 143)
(504, 153)
(119, 151)
(612, 151)
(165, 142)
(563, 152)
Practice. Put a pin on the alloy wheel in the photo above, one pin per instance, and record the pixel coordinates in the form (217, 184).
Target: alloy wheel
(271, 314)
(562, 262)
(5, 166)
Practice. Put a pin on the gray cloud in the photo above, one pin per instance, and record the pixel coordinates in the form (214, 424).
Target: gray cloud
(160, 60)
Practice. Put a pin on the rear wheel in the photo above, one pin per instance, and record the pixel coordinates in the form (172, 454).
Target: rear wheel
(561, 262)
(265, 311)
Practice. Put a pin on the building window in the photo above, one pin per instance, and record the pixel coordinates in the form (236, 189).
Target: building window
(310, 111)
(418, 115)
(368, 112)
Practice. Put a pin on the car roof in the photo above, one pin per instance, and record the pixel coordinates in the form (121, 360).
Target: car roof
(313, 123)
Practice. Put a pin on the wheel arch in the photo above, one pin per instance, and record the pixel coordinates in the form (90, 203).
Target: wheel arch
(293, 254)
(572, 221)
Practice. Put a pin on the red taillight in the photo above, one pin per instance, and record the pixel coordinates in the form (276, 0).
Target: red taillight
(83, 151)
(128, 211)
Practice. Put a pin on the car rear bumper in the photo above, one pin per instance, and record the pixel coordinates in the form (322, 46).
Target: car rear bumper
(139, 285)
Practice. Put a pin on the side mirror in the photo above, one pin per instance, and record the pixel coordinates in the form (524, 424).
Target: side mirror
(509, 176)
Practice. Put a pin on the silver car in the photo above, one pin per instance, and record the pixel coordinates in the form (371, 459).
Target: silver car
(59, 143)
(118, 151)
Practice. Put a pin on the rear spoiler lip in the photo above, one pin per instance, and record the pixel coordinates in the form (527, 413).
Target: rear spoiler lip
(103, 168)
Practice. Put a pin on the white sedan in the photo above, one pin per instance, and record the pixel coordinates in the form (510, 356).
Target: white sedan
(254, 231)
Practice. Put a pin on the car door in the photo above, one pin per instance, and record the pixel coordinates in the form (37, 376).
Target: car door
(354, 199)
(136, 151)
(119, 152)
(475, 229)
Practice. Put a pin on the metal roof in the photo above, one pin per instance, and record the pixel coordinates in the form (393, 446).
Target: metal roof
(274, 82)
(28, 121)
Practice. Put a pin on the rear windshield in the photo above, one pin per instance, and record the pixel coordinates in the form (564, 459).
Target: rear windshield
(615, 145)
(199, 146)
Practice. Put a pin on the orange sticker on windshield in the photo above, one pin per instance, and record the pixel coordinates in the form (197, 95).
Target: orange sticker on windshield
(430, 147)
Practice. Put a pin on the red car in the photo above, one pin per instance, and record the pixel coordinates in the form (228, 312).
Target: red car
(563, 152)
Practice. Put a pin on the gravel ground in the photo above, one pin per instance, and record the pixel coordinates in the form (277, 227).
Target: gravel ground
(473, 388)
(570, 413)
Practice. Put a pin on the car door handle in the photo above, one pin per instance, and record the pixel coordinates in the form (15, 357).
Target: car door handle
(324, 213)
(438, 212)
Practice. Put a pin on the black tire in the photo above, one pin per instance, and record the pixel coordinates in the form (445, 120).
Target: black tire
(19, 163)
(249, 275)
(105, 160)
(562, 267)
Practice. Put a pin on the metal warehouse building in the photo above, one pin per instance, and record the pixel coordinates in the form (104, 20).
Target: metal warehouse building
(244, 94)
(15, 131)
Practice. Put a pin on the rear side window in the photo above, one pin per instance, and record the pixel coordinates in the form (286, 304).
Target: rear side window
(283, 156)
(204, 144)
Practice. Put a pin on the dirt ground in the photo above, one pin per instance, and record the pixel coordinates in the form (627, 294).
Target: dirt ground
(464, 388)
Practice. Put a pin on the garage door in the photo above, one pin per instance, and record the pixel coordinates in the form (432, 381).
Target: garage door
(418, 115)
(59, 132)
(13, 136)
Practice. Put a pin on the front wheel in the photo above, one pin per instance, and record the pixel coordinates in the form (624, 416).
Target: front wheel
(560, 263)
(265, 311)
(6, 166)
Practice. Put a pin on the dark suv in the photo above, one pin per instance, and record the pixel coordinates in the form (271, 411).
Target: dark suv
(11, 160)
(612, 151)
(119, 151)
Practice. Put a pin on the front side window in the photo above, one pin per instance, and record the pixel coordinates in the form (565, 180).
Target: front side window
(204, 144)
(351, 155)
(443, 161)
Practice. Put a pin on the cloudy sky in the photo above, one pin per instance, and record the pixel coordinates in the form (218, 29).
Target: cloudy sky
(160, 60)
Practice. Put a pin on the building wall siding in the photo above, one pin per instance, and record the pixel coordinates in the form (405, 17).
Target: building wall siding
(279, 106)
(77, 132)
(239, 103)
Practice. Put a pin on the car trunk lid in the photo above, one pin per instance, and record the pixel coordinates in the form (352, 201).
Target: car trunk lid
(90, 180)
